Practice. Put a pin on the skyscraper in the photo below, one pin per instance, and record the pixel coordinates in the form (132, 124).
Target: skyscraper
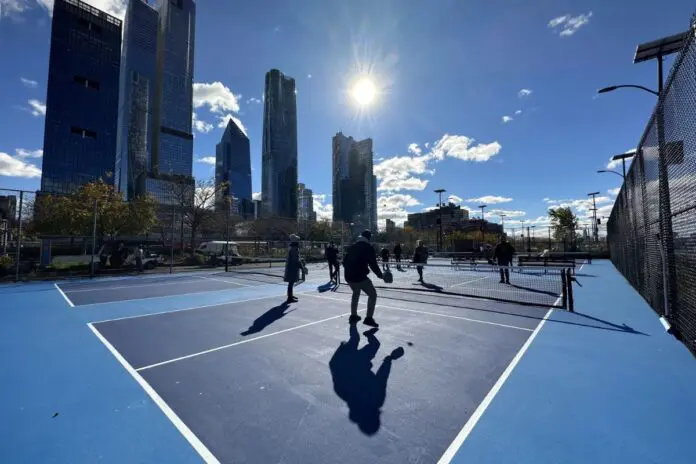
(354, 183)
(305, 204)
(279, 152)
(138, 78)
(155, 110)
(82, 97)
(233, 165)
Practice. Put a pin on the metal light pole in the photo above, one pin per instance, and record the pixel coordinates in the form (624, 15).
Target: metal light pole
(19, 235)
(483, 231)
(529, 241)
(439, 238)
(228, 206)
(594, 215)
(502, 223)
(549, 238)
(533, 235)
(94, 239)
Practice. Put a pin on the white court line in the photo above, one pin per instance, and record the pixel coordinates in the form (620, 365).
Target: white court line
(66, 298)
(469, 281)
(121, 287)
(241, 342)
(202, 450)
(476, 416)
(462, 318)
(228, 282)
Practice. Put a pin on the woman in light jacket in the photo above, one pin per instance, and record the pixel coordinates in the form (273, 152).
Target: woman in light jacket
(292, 267)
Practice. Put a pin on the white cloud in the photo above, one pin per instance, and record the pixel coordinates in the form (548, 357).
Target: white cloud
(309, 76)
(394, 207)
(454, 199)
(461, 147)
(323, 210)
(402, 166)
(222, 122)
(38, 108)
(200, 125)
(256, 196)
(13, 7)
(558, 21)
(507, 213)
(524, 93)
(207, 160)
(414, 149)
(395, 184)
(254, 100)
(614, 191)
(518, 112)
(506, 119)
(489, 199)
(14, 167)
(427, 144)
(24, 153)
(568, 25)
(28, 82)
(219, 98)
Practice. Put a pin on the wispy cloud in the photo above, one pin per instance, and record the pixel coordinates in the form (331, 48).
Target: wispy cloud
(13, 8)
(489, 199)
(568, 25)
(518, 112)
(206, 160)
(254, 100)
(24, 153)
(27, 82)
(38, 108)
(309, 76)
(506, 119)
(524, 93)
(200, 125)
(614, 191)
(454, 199)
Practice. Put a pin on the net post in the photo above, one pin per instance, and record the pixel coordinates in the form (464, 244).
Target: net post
(564, 287)
(571, 301)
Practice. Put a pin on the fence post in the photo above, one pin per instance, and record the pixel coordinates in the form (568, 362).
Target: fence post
(19, 235)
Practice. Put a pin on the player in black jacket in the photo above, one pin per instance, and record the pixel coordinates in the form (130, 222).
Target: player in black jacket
(331, 254)
(360, 258)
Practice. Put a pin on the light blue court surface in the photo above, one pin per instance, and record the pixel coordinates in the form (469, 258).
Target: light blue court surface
(605, 384)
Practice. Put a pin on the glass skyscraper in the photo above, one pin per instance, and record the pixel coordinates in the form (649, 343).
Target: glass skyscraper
(138, 78)
(279, 152)
(233, 165)
(82, 97)
(157, 86)
(354, 183)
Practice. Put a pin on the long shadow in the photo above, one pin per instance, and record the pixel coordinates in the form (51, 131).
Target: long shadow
(534, 290)
(327, 286)
(433, 287)
(354, 382)
(446, 300)
(267, 318)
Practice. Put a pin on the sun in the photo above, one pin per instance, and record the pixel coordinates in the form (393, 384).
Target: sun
(364, 91)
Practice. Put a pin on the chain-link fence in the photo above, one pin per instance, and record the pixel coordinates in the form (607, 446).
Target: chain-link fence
(652, 228)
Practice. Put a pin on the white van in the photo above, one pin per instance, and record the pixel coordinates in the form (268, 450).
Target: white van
(217, 248)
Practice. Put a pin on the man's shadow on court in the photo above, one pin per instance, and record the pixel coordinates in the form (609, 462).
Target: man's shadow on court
(267, 318)
(354, 382)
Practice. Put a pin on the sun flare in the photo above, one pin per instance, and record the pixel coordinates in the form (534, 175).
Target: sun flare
(364, 91)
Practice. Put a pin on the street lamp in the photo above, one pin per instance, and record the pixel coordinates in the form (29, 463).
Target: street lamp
(594, 213)
(502, 223)
(483, 231)
(439, 237)
(611, 171)
(611, 88)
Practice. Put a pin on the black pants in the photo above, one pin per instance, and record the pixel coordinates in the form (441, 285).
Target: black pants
(290, 286)
(420, 272)
(333, 269)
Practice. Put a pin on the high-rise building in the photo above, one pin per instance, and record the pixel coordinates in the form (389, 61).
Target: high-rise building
(233, 165)
(138, 78)
(305, 204)
(279, 152)
(391, 226)
(155, 110)
(354, 182)
(82, 97)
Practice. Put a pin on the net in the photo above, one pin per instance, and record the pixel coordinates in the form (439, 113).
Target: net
(270, 270)
(536, 286)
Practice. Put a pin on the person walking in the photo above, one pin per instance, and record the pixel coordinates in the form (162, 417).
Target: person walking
(503, 254)
(359, 260)
(420, 256)
(331, 254)
(397, 254)
(139, 258)
(385, 258)
(292, 267)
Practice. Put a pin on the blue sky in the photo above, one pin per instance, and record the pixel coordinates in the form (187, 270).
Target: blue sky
(447, 73)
